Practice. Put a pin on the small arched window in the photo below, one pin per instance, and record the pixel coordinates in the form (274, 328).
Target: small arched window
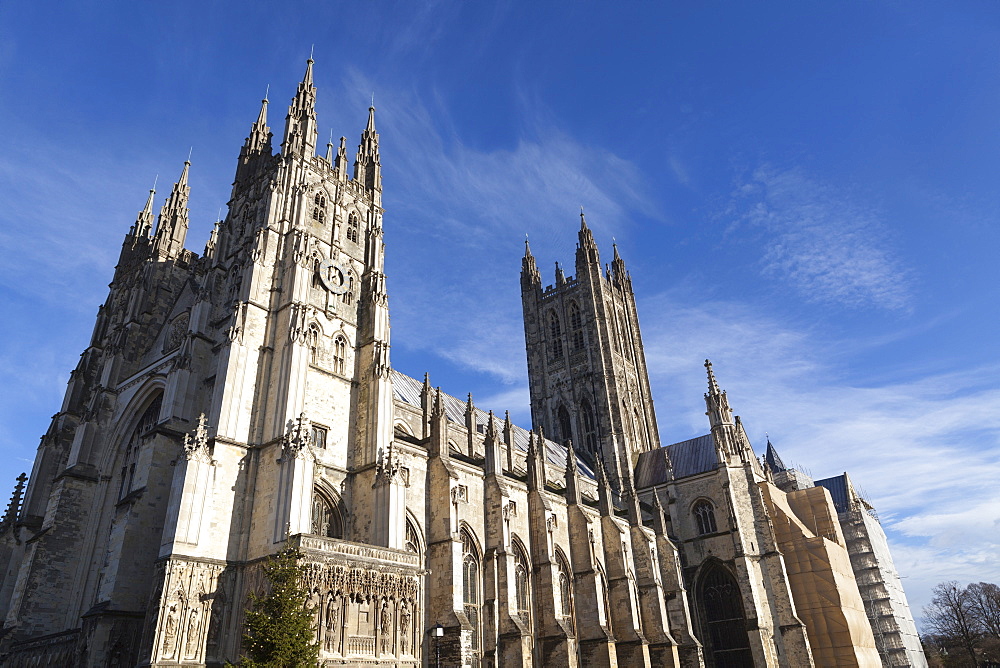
(704, 514)
(353, 233)
(339, 354)
(471, 585)
(312, 340)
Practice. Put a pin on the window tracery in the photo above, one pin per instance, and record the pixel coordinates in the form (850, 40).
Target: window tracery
(138, 437)
(325, 516)
(704, 514)
(353, 233)
(555, 336)
(339, 354)
(471, 585)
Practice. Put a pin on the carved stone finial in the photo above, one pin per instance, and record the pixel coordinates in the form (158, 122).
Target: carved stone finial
(299, 436)
(196, 444)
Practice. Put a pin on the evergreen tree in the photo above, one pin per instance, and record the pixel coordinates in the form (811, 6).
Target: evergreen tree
(279, 631)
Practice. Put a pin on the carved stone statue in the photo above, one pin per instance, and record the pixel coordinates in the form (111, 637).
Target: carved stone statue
(404, 628)
(385, 621)
(191, 644)
(332, 619)
(170, 631)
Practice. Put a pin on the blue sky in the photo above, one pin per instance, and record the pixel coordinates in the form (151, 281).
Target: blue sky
(803, 192)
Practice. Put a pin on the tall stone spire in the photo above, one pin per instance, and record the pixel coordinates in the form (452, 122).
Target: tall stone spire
(259, 139)
(144, 220)
(172, 226)
(530, 276)
(300, 124)
(367, 166)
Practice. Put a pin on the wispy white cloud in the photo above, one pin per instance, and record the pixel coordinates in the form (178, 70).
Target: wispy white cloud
(460, 297)
(825, 244)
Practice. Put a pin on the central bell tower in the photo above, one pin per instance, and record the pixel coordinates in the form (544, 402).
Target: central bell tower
(586, 367)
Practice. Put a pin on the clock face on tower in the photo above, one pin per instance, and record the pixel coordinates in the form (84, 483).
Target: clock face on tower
(333, 276)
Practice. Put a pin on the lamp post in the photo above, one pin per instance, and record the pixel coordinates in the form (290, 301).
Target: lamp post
(437, 632)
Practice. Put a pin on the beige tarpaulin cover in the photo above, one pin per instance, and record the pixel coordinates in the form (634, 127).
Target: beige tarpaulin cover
(822, 581)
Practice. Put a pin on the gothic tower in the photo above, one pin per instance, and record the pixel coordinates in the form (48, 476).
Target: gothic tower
(586, 367)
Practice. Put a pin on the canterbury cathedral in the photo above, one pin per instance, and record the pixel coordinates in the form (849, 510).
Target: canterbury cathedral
(241, 400)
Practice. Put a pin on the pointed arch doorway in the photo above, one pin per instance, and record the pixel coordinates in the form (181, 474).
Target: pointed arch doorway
(727, 644)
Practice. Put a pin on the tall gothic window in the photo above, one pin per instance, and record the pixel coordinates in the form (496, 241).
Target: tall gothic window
(704, 514)
(589, 426)
(312, 340)
(555, 336)
(339, 353)
(412, 538)
(522, 582)
(348, 297)
(319, 208)
(576, 325)
(353, 233)
(139, 436)
(725, 622)
(565, 427)
(565, 587)
(471, 585)
(325, 516)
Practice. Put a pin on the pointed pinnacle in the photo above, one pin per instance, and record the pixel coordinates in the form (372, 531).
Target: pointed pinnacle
(583, 219)
(371, 116)
(713, 386)
(527, 248)
(307, 78)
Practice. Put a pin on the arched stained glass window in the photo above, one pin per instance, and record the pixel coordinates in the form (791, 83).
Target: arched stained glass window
(704, 514)
(471, 585)
(139, 436)
(522, 582)
(565, 587)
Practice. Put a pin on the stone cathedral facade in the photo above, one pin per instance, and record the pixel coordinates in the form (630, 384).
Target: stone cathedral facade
(236, 401)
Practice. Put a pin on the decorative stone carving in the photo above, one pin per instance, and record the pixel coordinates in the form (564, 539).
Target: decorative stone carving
(298, 440)
(388, 467)
(196, 445)
(175, 334)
